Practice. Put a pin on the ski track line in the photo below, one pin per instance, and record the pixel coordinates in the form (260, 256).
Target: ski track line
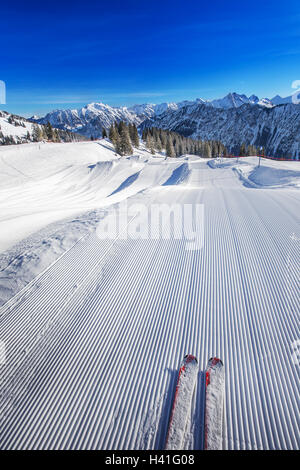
(36, 298)
(106, 334)
(277, 361)
(67, 299)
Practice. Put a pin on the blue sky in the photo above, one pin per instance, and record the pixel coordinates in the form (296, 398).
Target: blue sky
(67, 54)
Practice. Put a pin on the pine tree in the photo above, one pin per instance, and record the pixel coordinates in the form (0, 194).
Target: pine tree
(123, 145)
(170, 152)
(104, 133)
(242, 150)
(56, 136)
(206, 150)
(251, 150)
(134, 136)
(163, 138)
(144, 135)
(113, 134)
(158, 144)
(180, 149)
(44, 133)
(120, 126)
(149, 142)
(49, 131)
(37, 133)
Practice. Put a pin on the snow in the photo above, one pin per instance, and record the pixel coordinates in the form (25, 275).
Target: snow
(8, 129)
(263, 173)
(43, 184)
(94, 329)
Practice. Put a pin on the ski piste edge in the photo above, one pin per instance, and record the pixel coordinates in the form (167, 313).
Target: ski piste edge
(185, 386)
(214, 398)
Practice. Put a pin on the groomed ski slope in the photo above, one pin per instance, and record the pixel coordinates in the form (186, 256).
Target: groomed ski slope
(94, 342)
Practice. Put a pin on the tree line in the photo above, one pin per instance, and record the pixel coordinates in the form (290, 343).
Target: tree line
(52, 134)
(176, 145)
(124, 137)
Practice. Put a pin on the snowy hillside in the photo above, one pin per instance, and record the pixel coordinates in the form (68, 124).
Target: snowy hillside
(18, 130)
(15, 128)
(95, 328)
(276, 129)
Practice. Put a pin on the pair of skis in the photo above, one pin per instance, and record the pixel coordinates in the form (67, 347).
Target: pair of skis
(214, 396)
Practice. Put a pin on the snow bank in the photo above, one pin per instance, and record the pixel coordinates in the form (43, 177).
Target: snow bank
(179, 175)
(32, 256)
(270, 173)
(269, 177)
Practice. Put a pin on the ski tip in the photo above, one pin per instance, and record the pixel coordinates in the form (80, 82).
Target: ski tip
(213, 361)
(190, 358)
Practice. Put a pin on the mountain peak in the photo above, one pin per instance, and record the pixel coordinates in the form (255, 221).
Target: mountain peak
(279, 100)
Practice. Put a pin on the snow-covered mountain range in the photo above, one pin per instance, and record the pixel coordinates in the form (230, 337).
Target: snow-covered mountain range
(277, 129)
(235, 119)
(234, 100)
(90, 119)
